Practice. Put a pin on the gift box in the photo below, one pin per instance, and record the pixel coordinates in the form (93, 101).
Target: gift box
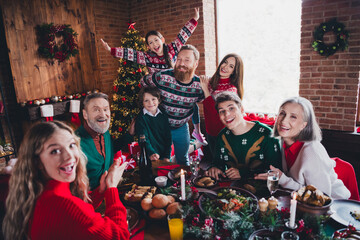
(134, 148)
(125, 157)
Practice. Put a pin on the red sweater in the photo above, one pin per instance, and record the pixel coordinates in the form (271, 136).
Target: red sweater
(212, 120)
(60, 215)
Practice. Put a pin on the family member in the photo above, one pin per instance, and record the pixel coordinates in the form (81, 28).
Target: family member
(242, 147)
(154, 124)
(228, 77)
(48, 197)
(95, 139)
(180, 91)
(304, 159)
(162, 56)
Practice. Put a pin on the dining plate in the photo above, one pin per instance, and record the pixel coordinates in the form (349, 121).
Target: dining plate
(341, 212)
(198, 180)
(218, 200)
(265, 234)
(175, 177)
(132, 217)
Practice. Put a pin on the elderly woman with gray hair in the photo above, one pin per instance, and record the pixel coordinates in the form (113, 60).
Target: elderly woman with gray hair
(304, 159)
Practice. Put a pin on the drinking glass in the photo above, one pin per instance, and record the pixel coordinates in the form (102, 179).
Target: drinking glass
(272, 181)
(287, 235)
(176, 226)
(194, 165)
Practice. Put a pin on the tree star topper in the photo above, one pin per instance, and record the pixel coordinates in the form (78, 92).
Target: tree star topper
(131, 25)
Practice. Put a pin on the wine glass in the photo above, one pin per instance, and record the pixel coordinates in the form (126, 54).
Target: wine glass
(272, 181)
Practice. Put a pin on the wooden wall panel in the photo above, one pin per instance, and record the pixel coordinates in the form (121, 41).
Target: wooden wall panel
(35, 77)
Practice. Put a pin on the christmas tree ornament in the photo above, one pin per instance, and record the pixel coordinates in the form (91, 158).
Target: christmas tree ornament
(83, 94)
(88, 92)
(69, 97)
(47, 100)
(23, 104)
(30, 103)
(37, 102)
(42, 101)
(96, 90)
(54, 98)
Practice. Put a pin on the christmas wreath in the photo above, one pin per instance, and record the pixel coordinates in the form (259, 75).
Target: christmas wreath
(341, 34)
(62, 49)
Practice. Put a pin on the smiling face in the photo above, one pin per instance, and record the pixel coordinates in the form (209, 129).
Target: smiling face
(155, 44)
(185, 66)
(150, 103)
(290, 122)
(231, 115)
(60, 156)
(227, 68)
(97, 114)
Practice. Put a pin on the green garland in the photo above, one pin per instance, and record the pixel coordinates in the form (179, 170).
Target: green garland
(48, 46)
(341, 34)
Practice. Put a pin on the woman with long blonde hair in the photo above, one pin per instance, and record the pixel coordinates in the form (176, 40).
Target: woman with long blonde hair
(48, 191)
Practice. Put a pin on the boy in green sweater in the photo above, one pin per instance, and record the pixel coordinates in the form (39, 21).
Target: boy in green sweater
(154, 124)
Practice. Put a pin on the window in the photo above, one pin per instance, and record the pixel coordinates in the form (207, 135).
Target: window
(266, 34)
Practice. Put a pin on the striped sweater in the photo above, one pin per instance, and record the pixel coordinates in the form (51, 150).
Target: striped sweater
(178, 99)
(150, 59)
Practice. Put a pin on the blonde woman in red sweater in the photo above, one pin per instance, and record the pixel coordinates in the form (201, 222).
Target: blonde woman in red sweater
(48, 197)
(228, 77)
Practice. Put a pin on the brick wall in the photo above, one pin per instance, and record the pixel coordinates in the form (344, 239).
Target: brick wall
(111, 17)
(331, 83)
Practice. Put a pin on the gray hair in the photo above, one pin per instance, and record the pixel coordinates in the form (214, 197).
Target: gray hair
(192, 48)
(93, 96)
(227, 96)
(311, 131)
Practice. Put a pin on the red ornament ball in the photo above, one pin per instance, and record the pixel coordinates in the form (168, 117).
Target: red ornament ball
(124, 62)
(139, 70)
(123, 99)
(120, 129)
(83, 94)
(47, 100)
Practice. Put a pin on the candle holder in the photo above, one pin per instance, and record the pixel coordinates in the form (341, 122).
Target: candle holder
(287, 224)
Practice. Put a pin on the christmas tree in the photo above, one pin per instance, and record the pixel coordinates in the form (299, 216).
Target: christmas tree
(126, 86)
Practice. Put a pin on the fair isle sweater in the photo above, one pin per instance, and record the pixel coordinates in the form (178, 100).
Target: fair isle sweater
(178, 99)
(60, 215)
(313, 166)
(150, 59)
(212, 120)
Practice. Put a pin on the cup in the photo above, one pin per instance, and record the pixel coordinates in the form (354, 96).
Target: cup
(161, 181)
(287, 235)
(176, 226)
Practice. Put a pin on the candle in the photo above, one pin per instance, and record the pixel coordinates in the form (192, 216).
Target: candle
(293, 203)
(182, 178)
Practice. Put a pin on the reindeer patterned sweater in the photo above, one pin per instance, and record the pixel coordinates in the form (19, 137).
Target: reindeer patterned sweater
(251, 152)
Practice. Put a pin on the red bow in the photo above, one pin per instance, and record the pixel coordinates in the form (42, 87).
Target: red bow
(131, 25)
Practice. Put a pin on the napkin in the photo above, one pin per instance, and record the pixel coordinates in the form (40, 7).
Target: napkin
(140, 235)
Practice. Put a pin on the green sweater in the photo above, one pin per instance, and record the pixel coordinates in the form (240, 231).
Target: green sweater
(251, 152)
(157, 133)
(96, 164)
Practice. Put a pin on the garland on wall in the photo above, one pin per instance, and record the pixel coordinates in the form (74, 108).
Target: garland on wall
(341, 35)
(50, 48)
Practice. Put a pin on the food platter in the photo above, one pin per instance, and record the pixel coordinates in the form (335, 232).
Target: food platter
(225, 201)
(341, 212)
(198, 180)
(174, 175)
(263, 234)
(132, 217)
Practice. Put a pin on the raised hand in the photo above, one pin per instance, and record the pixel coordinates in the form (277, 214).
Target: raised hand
(154, 157)
(106, 46)
(204, 83)
(232, 173)
(115, 173)
(197, 14)
(214, 172)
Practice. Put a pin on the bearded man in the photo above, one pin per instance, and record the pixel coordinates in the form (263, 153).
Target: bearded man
(95, 139)
(180, 90)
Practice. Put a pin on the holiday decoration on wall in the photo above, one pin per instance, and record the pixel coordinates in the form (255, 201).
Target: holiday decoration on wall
(127, 85)
(340, 33)
(57, 41)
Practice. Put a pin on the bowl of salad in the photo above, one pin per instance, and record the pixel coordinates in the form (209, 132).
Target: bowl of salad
(228, 200)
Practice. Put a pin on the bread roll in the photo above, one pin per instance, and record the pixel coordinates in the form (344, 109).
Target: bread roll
(157, 213)
(146, 204)
(172, 208)
(171, 199)
(160, 201)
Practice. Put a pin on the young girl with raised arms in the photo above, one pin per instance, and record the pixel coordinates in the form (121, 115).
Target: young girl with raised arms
(161, 56)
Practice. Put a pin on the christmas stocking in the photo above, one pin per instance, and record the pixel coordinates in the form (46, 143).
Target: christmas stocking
(47, 112)
(75, 109)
